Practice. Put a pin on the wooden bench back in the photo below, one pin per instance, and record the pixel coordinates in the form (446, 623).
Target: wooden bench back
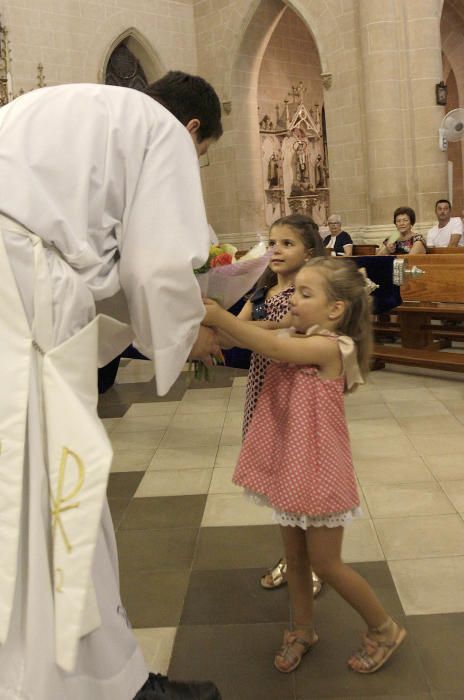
(443, 280)
(445, 251)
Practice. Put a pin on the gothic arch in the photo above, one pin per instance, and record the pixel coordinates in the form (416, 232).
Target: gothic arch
(140, 48)
(452, 41)
(240, 87)
(109, 34)
(317, 16)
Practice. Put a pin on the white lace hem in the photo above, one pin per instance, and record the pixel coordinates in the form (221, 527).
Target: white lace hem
(301, 520)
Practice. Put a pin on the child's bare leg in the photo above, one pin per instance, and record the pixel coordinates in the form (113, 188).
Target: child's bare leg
(324, 545)
(301, 600)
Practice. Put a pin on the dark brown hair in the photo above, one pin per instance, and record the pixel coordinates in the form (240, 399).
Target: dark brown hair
(308, 233)
(406, 211)
(189, 97)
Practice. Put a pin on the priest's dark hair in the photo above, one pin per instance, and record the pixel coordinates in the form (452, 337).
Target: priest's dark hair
(308, 232)
(189, 97)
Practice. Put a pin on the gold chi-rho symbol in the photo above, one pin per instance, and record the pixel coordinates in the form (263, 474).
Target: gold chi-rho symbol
(62, 501)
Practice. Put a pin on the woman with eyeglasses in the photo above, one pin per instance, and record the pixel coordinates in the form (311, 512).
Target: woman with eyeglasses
(339, 241)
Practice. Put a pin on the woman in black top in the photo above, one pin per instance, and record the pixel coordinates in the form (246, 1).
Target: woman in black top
(340, 241)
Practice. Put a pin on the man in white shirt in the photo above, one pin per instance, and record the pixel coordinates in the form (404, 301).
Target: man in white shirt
(447, 232)
(101, 190)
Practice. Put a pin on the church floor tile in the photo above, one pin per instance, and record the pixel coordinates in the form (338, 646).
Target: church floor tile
(237, 548)
(164, 512)
(192, 550)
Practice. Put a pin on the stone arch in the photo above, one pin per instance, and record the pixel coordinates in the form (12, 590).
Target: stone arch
(240, 91)
(452, 40)
(317, 16)
(108, 35)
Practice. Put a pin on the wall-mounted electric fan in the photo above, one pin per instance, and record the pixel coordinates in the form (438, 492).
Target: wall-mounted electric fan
(451, 129)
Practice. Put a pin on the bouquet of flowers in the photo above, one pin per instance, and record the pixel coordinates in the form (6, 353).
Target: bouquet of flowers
(226, 279)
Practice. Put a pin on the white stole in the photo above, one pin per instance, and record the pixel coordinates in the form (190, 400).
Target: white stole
(78, 454)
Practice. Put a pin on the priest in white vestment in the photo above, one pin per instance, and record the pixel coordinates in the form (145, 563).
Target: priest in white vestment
(99, 190)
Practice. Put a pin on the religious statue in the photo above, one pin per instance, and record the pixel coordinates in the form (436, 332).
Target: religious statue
(320, 172)
(273, 171)
(302, 179)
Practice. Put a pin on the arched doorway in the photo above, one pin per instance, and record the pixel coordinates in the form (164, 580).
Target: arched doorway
(237, 185)
(452, 37)
(291, 123)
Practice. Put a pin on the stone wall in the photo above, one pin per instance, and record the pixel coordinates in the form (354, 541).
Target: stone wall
(73, 40)
(378, 60)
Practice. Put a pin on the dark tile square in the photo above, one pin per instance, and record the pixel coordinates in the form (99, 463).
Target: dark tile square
(414, 696)
(238, 658)
(378, 576)
(154, 599)
(124, 484)
(232, 596)
(118, 506)
(156, 550)
(340, 628)
(388, 696)
(163, 512)
(439, 640)
(109, 410)
(325, 671)
(238, 547)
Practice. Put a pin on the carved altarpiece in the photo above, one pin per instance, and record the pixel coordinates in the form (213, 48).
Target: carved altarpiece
(294, 159)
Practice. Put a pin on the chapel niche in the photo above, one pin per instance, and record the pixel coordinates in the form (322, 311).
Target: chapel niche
(294, 159)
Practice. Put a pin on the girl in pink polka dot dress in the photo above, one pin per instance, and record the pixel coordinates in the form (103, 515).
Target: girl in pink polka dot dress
(296, 456)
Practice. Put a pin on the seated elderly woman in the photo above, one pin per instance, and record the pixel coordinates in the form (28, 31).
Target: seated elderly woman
(340, 241)
(405, 240)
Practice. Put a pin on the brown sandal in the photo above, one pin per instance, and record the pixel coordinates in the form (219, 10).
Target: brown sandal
(292, 655)
(371, 647)
(277, 577)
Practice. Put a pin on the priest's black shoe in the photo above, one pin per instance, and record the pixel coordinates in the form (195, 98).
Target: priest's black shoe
(160, 687)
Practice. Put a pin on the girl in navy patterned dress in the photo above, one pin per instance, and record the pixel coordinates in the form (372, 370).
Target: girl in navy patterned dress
(294, 239)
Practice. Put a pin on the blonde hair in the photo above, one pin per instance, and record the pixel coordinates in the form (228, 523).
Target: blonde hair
(344, 282)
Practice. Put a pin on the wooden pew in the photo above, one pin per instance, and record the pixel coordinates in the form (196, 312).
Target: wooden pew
(428, 319)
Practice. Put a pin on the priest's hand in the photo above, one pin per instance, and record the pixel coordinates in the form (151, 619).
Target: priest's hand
(206, 346)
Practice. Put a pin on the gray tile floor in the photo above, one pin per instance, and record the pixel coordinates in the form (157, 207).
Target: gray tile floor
(192, 549)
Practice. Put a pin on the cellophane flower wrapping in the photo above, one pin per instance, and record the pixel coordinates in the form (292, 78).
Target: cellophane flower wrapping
(228, 283)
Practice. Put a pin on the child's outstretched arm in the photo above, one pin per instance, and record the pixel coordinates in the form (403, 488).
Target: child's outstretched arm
(302, 350)
(226, 341)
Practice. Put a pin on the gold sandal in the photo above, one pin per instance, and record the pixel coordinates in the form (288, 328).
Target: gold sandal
(292, 655)
(371, 647)
(278, 578)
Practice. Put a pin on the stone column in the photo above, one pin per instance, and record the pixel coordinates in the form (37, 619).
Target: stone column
(401, 56)
(388, 161)
(424, 63)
